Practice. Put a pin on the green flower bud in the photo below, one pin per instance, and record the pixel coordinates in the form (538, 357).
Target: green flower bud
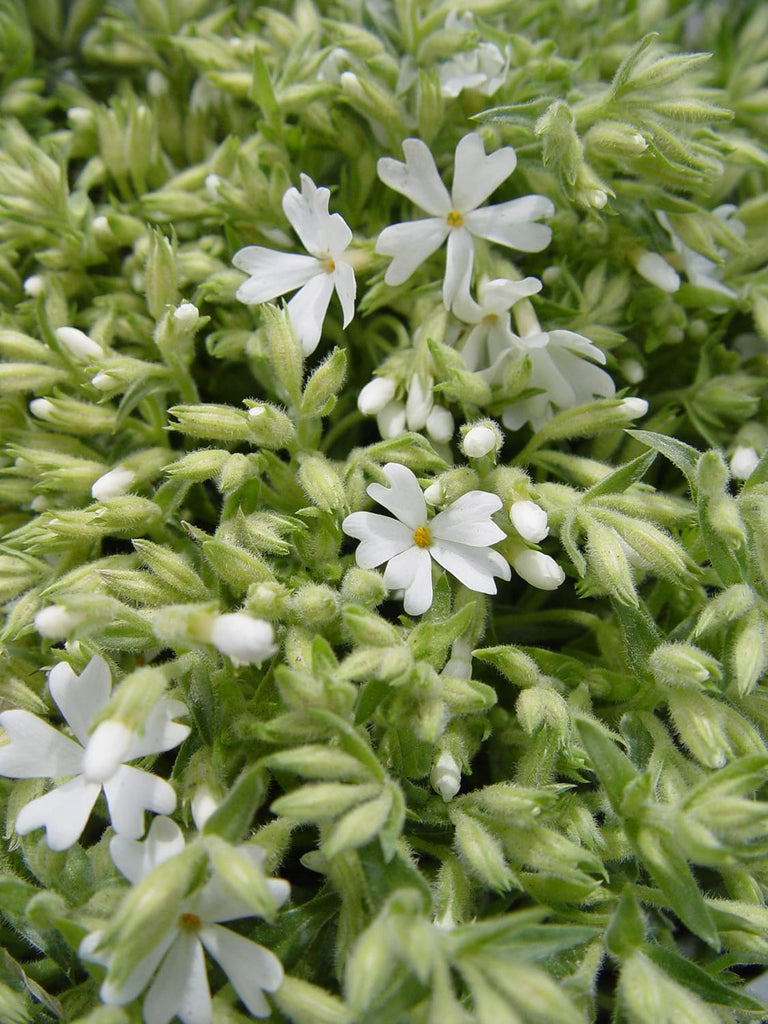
(650, 996)
(322, 483)
(173, 568)
(234, 564)
(481, 852)
(324, 385)
(241, 879)
(284, 350)
(615, 138)
(270, 427)
(203, 464)
(680, 664)
(267, 600)
(161, 284)
(74, 417)
(608, 560)
(315, 605)
(539, 706)
(748, 657)
(363, 586)
(323, 801)
(213, 422)
(305, 1003)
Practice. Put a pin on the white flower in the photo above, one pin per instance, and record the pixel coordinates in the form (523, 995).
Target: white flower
(326, 236)
(55, 622)
(654, 268)
(457, 216)
(699, 269)
(445, 777)
(530, 520)
(245, 640)
(562, 371)
(492, 334)
(113, 484)
(78, 344)
(458, 539)
(538, 569)
(744, 462)
(37, 750)
(482, 69)
(376, 394)
(180, 986)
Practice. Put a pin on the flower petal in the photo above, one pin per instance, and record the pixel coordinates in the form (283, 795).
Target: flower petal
(410, 244)
(417, 178)
(346, 288)
(135, 860)
(418, 594)
(160, 731)
(468, 520)
(458, 265)
(272, 273)
(474, 567)
(403, 498)
(514, 223)
(382, 537)
(181, 986)
(36, 750)
(132, 791)
(213, 903)
(321, 233)
(476, 175)
(79, 698)
(500, 294)
(251, 969)
(138, 979)
(63, 812)
(307, 310)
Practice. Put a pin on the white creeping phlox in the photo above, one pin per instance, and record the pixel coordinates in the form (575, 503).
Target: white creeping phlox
(491, 334)
(180, 987)
(458, 539)
(37, 750)
(326, 236)
(457, 215)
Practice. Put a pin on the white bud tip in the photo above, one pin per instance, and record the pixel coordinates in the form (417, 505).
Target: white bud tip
(102, 381)
(34, 286)
(446, 776)
(106, 750)
(391, 420)
(479, 441)
(187, 314)
(440, 424)
(375, 395)
(212, 182)
(55, 622)
(114, 484)
(634, 408)
(530, 521)
(256, 411)
(78, 343)
(41, 408)
(247, 641)
(598, 198)
(633, 370)
(744, 462)
(80, 117)
(539, 570)
(654, 268)
(100, 225)
(202, 806)
(157, 83)
(434, 494)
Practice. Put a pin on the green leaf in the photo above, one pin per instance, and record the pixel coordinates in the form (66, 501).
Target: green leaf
(233, 817)
(613, 768)
(621, 478)
(701, 982)
(626, 930)
(262, 92)
(682, 455)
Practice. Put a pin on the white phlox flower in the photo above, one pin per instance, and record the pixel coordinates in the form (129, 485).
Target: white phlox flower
(458, 539)
(699, 269)
(563, 372)
(418, 412)
(37, 750)
(482, 69)
(459, 215)
(180, 986)
(326, 237)
(491, 334)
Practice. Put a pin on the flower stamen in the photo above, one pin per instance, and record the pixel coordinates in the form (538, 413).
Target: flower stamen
(422, 537)
(455, 219)
(329, 265)
(189, 923)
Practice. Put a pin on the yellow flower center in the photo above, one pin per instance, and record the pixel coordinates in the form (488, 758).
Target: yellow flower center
(491, 318)
(455, 219)
(329, 265)
(189, 922)
(422, 537)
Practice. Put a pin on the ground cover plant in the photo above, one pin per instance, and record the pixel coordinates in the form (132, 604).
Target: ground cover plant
(383, 511)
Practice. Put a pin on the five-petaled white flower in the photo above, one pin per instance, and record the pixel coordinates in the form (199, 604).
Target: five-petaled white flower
(458, 539)
(326, 236)
(180, 987)
(491, 334)
(457, 216)
(37, 750)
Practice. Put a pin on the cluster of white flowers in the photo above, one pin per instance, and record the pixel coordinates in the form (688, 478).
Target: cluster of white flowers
(96, 760)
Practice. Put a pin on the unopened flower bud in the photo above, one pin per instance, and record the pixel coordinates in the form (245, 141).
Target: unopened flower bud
(42, 408)
(202, 805)
(114, 484)
(479, 441)
(433, 495)
(81, 117)
(743, 462)
(55, 622)
(245, 640)
(212, 182)
(376, 394)
(634, 408)
(538, 569)
(103, 381)
(633, 370)
(445, 777)
(78, 344)
(530, 521)
(186, 314)
(654, 268)
(391, 420)
(106, 750)
(34, 286)
(419, 403)
(440, 424)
